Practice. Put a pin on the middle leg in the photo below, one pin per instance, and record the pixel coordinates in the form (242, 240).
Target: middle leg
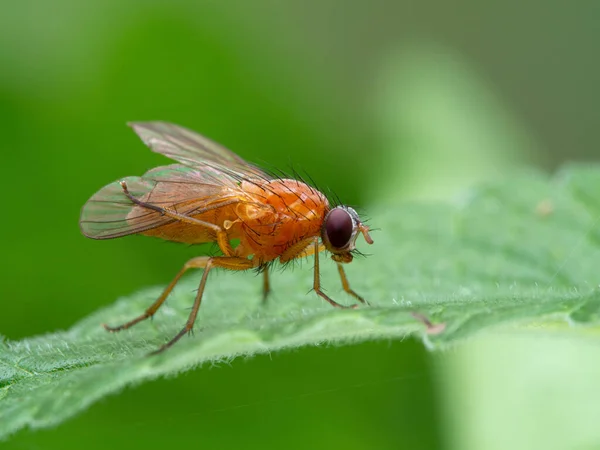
(266, 285)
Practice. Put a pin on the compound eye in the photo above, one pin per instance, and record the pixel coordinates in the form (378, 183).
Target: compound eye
(339, 228)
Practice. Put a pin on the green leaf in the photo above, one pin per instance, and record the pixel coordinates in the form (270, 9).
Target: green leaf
(522, 252)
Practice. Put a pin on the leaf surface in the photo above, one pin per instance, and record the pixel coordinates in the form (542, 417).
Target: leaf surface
(518, 253)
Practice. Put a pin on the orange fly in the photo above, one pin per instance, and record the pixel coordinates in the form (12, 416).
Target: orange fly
(213, 195)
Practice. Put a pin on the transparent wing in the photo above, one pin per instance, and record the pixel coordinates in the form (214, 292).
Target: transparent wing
(110, 213)
(193, 150)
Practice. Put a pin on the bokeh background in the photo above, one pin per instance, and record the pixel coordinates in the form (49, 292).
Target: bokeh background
(381, 101)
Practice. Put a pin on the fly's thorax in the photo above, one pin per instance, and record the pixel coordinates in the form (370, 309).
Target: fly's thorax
(290, 197)
(291, 211)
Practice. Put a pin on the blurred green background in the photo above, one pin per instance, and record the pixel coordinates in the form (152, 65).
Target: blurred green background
(379, 100)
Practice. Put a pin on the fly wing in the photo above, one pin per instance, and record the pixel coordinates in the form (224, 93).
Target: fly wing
(193, 150)
(110, 213)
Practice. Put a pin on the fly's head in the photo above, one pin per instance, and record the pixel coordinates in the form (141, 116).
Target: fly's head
(340, 229)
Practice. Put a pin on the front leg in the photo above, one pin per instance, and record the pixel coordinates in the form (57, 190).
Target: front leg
(311, 246)
(346, 285)
(317, 280)
(301, 249)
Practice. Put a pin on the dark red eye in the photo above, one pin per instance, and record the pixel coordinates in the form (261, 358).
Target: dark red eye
(339, 228)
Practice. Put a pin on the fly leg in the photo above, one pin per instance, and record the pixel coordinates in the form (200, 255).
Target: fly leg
(317, 280)
(346, 285)
(301, 249)
(298, 250)
(194, 263)
(226, 262)
(266, 285)
(308, 247)
(200, 262)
